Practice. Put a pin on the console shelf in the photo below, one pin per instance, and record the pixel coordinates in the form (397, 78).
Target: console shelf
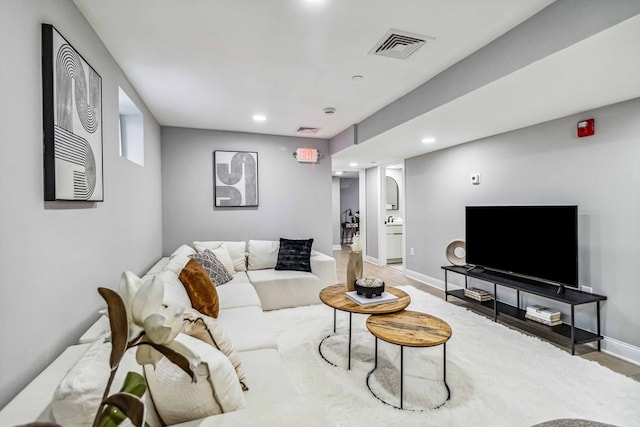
(569, 296)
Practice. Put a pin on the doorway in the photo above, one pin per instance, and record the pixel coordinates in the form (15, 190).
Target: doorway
(349, 209)
(393, 208)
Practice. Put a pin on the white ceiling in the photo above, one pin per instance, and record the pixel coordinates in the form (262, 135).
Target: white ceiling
(600, 70)
(213, 64)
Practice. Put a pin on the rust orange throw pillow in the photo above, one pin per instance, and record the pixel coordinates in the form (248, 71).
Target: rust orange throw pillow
(201, 290)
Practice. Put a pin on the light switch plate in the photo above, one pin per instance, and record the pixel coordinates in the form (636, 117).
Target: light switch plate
(475, 178)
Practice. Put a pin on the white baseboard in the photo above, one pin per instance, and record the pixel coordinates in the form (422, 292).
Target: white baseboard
(372, 260)
(337, 247)
(621, 350)
(614, 347)
(423, 278)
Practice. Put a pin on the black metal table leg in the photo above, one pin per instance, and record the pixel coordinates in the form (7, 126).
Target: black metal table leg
(401, 373)
(445, 285)
(334, 320)
(573, 330)
(349, 341)
(598, 320)
(495, 302)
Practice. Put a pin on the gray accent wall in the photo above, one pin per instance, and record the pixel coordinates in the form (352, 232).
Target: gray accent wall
(294, 198)
(54, 256)
(544, 164)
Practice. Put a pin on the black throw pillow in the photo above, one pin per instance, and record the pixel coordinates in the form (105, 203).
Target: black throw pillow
(294, 255)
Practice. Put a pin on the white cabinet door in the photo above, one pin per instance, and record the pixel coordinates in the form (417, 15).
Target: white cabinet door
(394, 242)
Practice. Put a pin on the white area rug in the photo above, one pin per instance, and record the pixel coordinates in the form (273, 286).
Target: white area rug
(497, 376)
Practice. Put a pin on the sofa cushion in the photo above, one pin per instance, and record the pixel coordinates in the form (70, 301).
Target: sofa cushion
(239, 277)
(201, 290)
(209, 330)
(179, 399)
(76, 399)
(294, 255)
(236, 251)
(217, 272)
(262, 254)
(233, 295)
(159, 265)
(286, 288)
(247, 328)
(184, 250)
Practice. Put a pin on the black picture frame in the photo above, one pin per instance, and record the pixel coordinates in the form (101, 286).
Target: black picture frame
(235, 178)
(72, 122)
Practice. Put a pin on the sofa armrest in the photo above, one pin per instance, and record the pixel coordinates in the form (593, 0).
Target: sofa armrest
(324, 267)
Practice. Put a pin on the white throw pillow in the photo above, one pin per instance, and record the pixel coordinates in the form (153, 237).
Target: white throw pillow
(237, 251)
(76, 399)
(218, 338)
(177, 399)
(262, 254)
(222, 253)
(184, 250)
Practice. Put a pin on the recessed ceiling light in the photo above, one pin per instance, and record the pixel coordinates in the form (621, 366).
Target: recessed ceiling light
(357, 77)
(428, 140)
(353, 164)
(259, 117)
(339, 173)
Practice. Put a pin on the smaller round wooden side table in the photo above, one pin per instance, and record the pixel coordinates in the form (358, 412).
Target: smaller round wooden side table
(334, 296)
(410, 329)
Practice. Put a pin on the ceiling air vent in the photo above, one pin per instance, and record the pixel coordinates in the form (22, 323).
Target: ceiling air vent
(399, 44)
(307, 130)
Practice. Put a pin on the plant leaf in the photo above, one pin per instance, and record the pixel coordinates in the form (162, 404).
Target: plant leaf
(181, 361)
(135, 384)
(131, 406)
(118, 323)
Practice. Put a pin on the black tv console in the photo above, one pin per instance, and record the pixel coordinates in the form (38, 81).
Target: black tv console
(569, 296)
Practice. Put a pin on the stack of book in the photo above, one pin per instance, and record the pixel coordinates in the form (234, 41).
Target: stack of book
(362, 300)
(545, 315)
(477, 294)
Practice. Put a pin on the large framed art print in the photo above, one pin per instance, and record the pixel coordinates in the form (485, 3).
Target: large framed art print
(72, 122)
(235, 178)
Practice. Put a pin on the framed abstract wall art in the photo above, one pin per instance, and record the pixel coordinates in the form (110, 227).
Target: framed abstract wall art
(235, 178)
(72, 121)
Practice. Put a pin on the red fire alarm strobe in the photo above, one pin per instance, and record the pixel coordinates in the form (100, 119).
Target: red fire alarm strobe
(586, 128)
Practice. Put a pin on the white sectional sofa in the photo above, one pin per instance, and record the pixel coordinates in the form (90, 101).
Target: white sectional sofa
(256, 286)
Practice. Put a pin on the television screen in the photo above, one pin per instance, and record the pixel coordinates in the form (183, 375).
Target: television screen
(532, 241)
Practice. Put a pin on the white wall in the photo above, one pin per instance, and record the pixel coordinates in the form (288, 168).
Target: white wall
(53, 256)
(294, 198)
(544, 164)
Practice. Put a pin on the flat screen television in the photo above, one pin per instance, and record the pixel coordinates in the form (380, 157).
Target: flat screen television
(539, 242)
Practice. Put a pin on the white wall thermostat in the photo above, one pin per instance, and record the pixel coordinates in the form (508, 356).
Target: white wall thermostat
(475, 178)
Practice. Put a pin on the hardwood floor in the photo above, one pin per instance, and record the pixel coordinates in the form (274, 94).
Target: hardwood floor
(395, 276)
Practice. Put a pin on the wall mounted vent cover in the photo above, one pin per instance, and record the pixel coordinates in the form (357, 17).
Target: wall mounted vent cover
(399, 44)
(303, 129)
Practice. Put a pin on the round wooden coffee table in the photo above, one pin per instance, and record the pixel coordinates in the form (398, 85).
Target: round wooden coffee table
(410, 329)
(335, 297)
